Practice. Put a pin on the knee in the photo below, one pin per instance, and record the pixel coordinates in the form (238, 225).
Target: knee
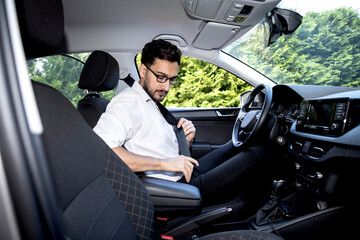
(260, 154)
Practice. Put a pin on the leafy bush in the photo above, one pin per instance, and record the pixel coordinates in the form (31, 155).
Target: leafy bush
(205, 85)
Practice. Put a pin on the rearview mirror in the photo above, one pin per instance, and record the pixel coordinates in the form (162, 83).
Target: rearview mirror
(282, 21)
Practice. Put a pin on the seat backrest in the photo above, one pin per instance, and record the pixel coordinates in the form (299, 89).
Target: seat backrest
(97, 195)
(100, 73)
(101, 198)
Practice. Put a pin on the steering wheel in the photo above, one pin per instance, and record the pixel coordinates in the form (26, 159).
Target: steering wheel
(250, 119)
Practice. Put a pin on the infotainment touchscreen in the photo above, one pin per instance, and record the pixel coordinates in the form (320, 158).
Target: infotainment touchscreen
(321, 114)
(326, 117)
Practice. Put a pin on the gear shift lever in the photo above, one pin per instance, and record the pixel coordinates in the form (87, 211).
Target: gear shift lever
(270, 211)
(277, 187)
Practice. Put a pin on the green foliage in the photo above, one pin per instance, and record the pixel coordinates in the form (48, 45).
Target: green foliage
(62, 73)
(204, 85)
(325, 50)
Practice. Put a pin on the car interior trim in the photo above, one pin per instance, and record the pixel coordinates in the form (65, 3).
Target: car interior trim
(9, 228)
(31, 111)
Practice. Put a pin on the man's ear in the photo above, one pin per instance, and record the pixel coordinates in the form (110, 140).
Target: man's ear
(142, 70)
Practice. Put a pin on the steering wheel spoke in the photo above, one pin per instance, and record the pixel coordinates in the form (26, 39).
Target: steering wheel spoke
(243, 135)
(241, 115)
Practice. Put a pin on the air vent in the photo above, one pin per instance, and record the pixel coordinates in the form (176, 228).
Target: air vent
(310, 149)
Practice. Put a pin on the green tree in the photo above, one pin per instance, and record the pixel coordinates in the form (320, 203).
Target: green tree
(325, 50)
(62, 73)
(205, 85)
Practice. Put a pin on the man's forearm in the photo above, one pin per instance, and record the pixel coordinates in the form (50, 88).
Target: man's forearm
(139, 163)
(136, 162)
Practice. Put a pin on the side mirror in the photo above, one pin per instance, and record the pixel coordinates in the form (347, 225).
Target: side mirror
(243, 97)
(282, 21)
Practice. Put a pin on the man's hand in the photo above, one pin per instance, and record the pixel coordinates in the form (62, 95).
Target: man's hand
(139, 163)
(181, 164)
(189, 129)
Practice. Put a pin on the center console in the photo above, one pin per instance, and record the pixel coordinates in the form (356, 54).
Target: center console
(299, 213)
(324, 155)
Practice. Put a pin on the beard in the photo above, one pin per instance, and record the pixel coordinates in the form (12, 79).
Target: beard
(155, 95)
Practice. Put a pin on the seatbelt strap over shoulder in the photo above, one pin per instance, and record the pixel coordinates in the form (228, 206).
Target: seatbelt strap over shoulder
(129, 80)
(180, 135)
(179, 132)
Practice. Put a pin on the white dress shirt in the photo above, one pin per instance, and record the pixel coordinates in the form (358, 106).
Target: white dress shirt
(133, 120)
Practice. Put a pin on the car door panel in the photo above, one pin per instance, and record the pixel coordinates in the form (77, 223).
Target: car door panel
(213, 127)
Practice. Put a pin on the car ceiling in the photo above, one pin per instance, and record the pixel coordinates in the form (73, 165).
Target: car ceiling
(126, 25)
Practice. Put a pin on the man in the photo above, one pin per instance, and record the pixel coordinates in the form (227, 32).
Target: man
(138, 133)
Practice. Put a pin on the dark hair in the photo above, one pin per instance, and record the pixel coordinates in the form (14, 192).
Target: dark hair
(160, 49)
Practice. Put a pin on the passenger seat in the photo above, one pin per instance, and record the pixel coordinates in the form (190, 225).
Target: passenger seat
(100, 74)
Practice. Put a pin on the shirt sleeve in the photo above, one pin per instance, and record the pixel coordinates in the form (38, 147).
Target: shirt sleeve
(119, 122)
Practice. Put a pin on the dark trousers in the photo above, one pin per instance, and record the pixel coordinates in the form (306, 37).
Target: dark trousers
(225, 172)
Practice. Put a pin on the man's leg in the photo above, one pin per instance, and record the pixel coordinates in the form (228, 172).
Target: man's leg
(215, 158)
(220, 178)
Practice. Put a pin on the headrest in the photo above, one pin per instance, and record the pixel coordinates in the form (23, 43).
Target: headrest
(100, 72)
(42, 26)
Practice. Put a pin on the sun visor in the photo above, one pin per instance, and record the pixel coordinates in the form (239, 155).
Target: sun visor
(215, 35)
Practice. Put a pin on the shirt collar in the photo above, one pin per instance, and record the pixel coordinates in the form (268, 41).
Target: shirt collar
(140, 90)
(144, 95)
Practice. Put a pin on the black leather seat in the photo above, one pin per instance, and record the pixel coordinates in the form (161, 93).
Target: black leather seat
(100, 73)
(97, 195)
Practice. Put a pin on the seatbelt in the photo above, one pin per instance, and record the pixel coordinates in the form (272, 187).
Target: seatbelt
(180, 135)
(179, 132)
(129, 80)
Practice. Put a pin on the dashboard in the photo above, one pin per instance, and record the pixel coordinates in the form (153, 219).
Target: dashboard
(323, 137)
(328, 114)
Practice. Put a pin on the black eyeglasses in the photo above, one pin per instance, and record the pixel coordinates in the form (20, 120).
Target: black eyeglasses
(163, 78)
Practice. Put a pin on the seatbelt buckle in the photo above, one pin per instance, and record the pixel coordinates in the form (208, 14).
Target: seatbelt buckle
(166, 237)
(161, 222)
(162, 218)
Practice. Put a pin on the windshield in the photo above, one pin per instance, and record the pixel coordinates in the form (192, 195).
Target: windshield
(324, 50)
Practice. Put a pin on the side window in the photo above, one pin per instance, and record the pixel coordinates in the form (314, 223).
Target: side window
(63, 73)
(203, 84)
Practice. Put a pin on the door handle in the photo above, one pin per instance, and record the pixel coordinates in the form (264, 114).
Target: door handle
(219, 114)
